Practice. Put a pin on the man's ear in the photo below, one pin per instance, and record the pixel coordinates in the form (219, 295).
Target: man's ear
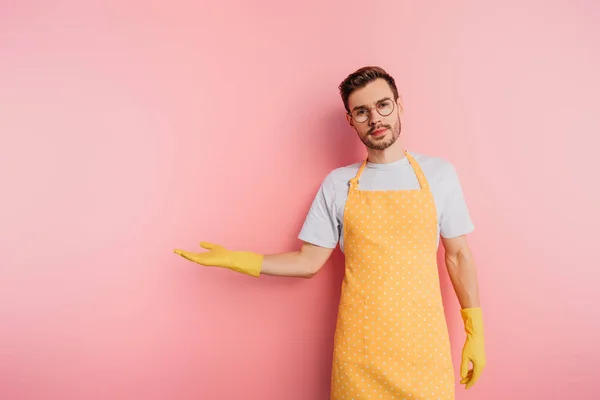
(349, 119)
(399, 103)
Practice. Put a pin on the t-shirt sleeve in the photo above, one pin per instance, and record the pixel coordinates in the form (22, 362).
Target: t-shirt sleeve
(321, 226)
(455, 219)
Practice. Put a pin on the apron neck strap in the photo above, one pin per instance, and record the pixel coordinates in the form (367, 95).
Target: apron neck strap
(416, 167)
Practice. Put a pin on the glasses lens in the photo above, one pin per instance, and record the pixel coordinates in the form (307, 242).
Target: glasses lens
(386, 107)
(360, 115)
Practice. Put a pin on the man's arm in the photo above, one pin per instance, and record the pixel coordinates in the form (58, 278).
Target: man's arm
(463, 274)
(462, 270)
(304, 263)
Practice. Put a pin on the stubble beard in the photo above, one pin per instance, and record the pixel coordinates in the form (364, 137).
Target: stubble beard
(383, 144)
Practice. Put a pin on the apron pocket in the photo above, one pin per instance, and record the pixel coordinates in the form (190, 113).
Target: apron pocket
(430, 337)
(349, 339)
(389, 335)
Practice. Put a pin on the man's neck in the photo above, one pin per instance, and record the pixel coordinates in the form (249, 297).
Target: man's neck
(393, 153)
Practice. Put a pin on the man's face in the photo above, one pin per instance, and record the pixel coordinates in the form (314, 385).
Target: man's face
(366, 105)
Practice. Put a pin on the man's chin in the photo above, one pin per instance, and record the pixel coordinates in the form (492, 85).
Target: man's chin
(378, 144)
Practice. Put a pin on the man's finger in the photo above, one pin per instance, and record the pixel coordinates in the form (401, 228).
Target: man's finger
(477, 369)
(464, 367)
(467, 378)
(185, 254)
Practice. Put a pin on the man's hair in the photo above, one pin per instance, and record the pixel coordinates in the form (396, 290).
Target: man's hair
(360, 78)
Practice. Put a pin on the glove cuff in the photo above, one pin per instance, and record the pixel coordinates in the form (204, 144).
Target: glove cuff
(473, 320)
(248, 262)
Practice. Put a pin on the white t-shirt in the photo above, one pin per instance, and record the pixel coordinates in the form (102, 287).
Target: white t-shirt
(324, 223)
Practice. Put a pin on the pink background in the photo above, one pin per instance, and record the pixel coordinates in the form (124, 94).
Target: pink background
(131, 128)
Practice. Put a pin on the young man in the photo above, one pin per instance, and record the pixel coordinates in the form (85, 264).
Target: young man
(387, 213)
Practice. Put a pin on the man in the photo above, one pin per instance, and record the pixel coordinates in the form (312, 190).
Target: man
(387, 213)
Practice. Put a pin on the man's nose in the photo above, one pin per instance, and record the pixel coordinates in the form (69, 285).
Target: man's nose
(374, 117)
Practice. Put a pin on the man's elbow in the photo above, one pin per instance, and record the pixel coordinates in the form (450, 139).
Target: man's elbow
(311, 270)
(452, 260)
(455, 257)
(313, 258)
(459, 260)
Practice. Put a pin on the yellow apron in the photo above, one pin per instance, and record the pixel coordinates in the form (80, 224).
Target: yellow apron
(391, 339)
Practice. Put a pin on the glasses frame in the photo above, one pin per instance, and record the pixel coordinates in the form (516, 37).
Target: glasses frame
(376, 109)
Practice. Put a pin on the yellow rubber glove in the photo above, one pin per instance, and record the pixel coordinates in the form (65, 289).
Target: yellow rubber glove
(474, 348)
(245, 262)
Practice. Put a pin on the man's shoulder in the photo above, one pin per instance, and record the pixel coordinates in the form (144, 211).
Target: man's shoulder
(435, 167)
(343, 174)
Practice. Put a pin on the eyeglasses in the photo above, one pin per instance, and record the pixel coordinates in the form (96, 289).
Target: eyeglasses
(384, 108)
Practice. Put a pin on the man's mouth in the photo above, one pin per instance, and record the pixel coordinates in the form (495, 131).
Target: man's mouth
(379, 131)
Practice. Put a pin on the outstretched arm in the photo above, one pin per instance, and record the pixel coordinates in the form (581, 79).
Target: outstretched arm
(303, 263)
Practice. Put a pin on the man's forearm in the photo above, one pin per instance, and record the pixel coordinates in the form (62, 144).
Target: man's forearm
(463, 274)
(291, 264)
(304, 263)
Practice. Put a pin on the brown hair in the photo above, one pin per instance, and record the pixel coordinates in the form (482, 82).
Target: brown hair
(360, 78)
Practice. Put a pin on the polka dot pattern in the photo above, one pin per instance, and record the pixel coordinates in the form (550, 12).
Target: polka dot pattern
(391, 339)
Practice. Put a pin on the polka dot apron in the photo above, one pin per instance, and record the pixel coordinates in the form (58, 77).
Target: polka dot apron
(391, 339)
